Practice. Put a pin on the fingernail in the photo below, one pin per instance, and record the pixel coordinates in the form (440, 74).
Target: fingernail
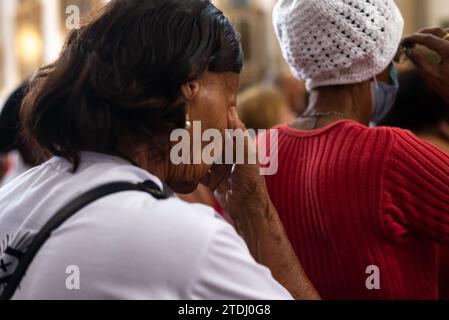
(233, 113)
(408, 52)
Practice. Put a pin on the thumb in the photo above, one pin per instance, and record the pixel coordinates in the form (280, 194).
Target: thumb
(234, 121)
(247, 153)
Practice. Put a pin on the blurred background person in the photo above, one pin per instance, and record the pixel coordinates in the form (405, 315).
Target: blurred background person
(4, 165)
(262, 107)
(14, 151)
(294, 90)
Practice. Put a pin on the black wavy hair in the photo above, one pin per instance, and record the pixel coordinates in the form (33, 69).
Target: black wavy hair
(120, 75)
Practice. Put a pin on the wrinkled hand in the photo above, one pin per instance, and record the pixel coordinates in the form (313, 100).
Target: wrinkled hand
(243, 194)
(436, 75)
(238, 186)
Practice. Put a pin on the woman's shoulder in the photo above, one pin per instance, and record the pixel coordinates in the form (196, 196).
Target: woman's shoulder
(172, 213)
(136, 222)
(335, 128)
(153, 246)
(344, 133)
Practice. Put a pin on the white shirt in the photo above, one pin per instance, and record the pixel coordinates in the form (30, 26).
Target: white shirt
(127, 245)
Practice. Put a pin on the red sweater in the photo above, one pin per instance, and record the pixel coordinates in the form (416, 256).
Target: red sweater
(351, 197)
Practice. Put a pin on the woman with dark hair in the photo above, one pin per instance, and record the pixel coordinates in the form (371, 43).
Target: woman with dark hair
(104, 111)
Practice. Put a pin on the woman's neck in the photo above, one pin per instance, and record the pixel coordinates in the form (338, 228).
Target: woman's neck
(141, 157)
(331, 104)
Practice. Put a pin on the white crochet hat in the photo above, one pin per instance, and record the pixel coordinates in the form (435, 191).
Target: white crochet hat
(331, 42)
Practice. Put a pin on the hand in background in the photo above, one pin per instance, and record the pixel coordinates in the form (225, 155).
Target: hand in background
(436, 75)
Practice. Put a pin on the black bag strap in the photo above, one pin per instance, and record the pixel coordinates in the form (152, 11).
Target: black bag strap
(65, 213)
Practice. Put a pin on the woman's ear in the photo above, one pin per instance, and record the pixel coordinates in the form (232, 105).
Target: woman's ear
(190, 90)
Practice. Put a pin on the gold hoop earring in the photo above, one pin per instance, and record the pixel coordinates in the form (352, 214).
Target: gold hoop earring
(188, 122)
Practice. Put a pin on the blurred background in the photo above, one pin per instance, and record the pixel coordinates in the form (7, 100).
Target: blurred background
(32, 33)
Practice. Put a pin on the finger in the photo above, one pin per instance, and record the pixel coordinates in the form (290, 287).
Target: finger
(234, 121)
(430, 41)
(249, 150)
(222, 192)
(420, 61)
(216, 175)
(437, 32)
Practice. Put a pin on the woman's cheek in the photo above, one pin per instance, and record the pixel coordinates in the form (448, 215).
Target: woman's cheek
(217, 119)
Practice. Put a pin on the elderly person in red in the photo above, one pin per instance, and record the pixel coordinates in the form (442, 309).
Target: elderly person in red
(364, 207)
